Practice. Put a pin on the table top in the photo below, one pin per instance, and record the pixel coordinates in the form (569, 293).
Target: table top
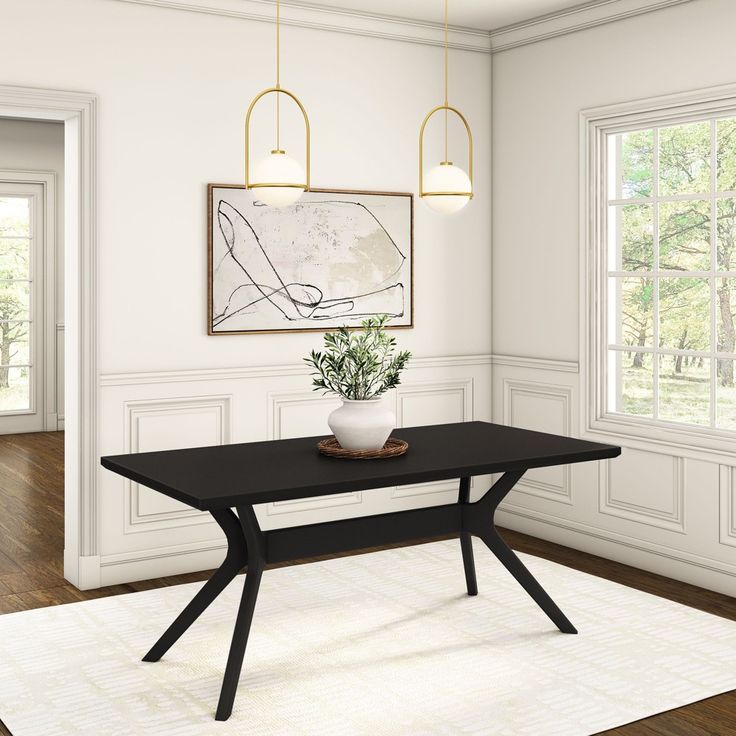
(225, 476)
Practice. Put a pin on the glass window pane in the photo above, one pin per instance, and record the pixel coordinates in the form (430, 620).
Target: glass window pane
(684, 236)
(635, 309)
(637, 164)
(15, 350)
(15, 389)
(15, 258)
(684, 159)
(15, 297)
(15, 216)
(684, 389)
(726, 395)
(684, 313)
(726, 155)
(633, 236)
(726, 235)
(637, 383)
(726, 315)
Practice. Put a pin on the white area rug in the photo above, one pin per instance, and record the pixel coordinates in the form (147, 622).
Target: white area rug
(380, 644)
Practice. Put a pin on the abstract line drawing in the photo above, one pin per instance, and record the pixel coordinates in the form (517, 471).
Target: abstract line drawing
(334, 257)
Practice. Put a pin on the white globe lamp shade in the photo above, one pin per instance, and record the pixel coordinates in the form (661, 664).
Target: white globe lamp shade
(447, 188)
(282, 171)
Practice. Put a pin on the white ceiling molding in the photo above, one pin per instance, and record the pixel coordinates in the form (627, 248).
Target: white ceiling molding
(320, 17)
(579, 18)
(334, 19)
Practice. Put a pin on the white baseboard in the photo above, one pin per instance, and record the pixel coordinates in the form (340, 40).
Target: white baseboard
(671, 563)
(82, 572)
(159, 563)
(94, 572)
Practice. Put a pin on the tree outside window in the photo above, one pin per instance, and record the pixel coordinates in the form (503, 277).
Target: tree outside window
(15, 286)
(671, 254)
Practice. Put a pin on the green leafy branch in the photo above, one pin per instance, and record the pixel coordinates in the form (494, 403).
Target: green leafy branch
(358, 365)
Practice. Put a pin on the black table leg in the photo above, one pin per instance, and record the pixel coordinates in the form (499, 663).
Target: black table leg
(466, 542)
(235, 560)
(478, 519)
(256, 564)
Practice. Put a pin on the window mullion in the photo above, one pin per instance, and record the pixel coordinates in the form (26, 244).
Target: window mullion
(670, 198)
(669, 351)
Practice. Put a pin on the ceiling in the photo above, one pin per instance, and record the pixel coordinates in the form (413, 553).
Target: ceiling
(481, 14)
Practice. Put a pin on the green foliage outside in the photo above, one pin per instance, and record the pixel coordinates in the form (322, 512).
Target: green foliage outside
(14, 304)
(685, 228)
(683, 397)
(358, 365)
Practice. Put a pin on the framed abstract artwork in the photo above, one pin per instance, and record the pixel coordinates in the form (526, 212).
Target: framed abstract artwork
(333, 258)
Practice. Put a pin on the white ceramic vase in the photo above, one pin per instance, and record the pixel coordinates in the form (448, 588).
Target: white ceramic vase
(362, 425)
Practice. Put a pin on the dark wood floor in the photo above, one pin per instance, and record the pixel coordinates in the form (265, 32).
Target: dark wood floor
(31, 570)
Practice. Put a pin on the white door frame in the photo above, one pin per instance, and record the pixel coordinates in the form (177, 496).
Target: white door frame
(47, 402)
(77, 110)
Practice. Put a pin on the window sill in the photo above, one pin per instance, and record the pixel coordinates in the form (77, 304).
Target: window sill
(710, 445)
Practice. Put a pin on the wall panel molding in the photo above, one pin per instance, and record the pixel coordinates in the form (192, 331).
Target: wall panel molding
(671, 519)
(672, 553)
(135, 378)
(140, 514)
(545, 364)
(264, 402)
(531, 521)
(727, 500)
(462, 391)
(626, 509)
(279, 405)
(560, 492)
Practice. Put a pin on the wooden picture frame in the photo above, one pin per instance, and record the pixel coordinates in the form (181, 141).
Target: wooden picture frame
(354, 263)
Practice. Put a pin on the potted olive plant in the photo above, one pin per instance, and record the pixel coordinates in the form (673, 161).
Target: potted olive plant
(359, 366)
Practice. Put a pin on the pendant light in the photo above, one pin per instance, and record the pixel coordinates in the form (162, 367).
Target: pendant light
(446, 188)
(278, 180)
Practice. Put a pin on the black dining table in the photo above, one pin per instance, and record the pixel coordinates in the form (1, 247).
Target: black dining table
(229, 480)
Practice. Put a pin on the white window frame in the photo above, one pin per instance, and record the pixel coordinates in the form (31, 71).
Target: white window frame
(44, 397)
(596, 125)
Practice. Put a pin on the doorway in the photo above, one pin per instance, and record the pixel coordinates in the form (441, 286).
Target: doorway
(66, 396)
(31, 351)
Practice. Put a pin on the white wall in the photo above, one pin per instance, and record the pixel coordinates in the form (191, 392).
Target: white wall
(173, 89)
(33, 145)
(667, 510)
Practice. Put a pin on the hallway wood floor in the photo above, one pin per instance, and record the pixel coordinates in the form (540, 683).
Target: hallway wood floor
(31, 570)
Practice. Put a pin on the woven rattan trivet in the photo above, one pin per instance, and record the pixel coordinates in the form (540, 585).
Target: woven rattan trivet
(392, 448)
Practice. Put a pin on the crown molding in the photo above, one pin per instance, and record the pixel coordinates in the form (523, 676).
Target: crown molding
(319, 17)
(577, 18)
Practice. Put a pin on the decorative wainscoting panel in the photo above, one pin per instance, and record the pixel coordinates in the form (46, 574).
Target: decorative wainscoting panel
(657, 507)
(145, 535)
(544, 407)
(727, 497)
(437, 402)
(165, 425)
(301, 414)
(645, 487)
(434, 402)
